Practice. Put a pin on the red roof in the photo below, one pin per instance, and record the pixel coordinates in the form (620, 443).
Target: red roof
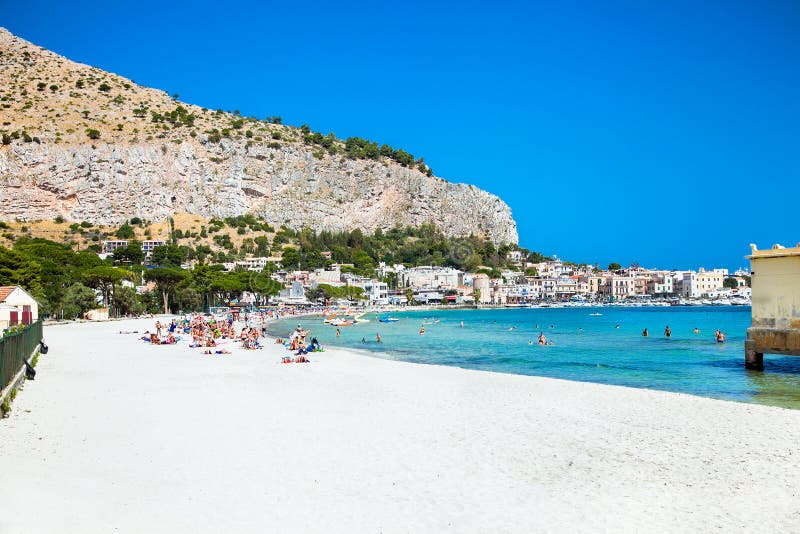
(5, 291)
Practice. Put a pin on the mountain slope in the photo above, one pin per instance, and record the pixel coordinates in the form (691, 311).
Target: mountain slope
(90, 145)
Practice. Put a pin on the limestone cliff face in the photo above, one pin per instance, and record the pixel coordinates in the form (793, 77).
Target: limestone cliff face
(152, 168)
(287, 186)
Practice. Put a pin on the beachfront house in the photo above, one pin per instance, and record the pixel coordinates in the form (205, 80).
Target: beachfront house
(376, 292)
(17, 306)
(431, 277)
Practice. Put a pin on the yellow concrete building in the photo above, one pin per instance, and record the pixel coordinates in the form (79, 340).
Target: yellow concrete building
(775, 325)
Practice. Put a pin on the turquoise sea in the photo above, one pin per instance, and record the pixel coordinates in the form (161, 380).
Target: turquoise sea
(586, 347)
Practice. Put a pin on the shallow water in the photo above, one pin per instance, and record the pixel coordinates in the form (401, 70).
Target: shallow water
(586, 348)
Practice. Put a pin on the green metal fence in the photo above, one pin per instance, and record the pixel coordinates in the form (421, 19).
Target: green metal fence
(16, 347)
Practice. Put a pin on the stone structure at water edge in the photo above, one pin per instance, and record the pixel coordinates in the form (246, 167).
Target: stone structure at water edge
(775, 326)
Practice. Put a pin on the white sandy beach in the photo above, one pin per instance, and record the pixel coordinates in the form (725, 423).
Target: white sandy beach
(115, 435)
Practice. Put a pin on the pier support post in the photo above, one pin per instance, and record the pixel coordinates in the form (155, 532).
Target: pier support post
(752, 359)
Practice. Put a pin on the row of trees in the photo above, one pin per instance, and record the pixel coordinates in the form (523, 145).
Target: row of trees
(69, 283)
(359, 148)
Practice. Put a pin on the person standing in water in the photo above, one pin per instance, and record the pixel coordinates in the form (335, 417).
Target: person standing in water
(338, 333)
(644, 333)
(378, 337)
(422, 330)
(462, 324)
(667, 331)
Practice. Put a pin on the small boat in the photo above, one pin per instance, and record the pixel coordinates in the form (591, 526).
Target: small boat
(596, 314)
(342, 322)
(388, 319)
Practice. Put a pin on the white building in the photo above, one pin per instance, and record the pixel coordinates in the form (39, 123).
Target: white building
(660, 284)
(431, 277)
(112, 245)
(147, 246)
(331, 277)
(253, 264)
(150, 244)
(17, 306)
(293, 295)
(516, 256)
(377, 292)
(695, 285)
(553, 269)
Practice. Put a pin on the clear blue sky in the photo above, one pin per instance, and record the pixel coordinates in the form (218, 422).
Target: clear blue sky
(663, 133)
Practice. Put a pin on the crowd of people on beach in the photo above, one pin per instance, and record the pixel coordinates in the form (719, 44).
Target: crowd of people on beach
(212, 333)
(296, 343)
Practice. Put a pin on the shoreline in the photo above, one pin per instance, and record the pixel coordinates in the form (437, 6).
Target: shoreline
(414, 353)
(114, 434)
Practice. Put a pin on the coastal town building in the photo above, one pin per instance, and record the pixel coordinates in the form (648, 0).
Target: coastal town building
(295, 294)
(252, 264)
(431, 277)
(481, 286)
(696, 284)
(109, 246)
(332, 277)
(150, 244)
(428, 296)
(660, 285)
(375, 292)
(617, 287)
(516, 256)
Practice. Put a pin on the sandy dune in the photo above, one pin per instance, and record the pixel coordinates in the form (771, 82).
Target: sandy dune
(114, 435)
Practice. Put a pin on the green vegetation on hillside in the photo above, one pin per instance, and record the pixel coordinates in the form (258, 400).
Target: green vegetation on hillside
(425, 245)
(68, 282)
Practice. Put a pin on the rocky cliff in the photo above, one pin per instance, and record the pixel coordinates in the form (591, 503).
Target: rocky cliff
(89, 145)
